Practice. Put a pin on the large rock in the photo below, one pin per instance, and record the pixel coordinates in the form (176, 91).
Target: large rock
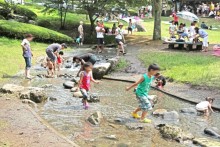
(77, 94)
(212, 132)
(188, 110)
(33, 93)
(113, 61)
(159, 112)
(68, 84)
(95, 118)
(68, 65)
(171, 116)
(101, 69)
(205, 142)
(136, 126)
(30, 102)
(11, 88)
(175, 133)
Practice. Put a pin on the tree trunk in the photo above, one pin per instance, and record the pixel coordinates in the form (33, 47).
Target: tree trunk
(92, 22)
(157, 19)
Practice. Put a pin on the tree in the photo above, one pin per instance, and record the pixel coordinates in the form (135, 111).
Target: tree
(61, 6)
(157, 8)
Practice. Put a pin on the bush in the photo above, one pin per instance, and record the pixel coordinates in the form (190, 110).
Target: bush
(18, 30)
(2, 17)
(44, 23)
(25, 12)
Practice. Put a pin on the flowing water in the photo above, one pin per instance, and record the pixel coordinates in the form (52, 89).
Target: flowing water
(67, 115)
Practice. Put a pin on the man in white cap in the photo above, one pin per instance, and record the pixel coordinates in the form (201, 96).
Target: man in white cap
(120, 40)
(81, 34)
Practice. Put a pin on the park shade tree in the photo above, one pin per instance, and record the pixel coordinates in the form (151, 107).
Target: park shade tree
(58, 5)
(157, 8)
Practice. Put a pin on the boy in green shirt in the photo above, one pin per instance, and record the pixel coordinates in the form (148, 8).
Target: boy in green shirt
(143, 87)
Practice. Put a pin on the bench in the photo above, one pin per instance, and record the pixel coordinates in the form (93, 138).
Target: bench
(189, 45)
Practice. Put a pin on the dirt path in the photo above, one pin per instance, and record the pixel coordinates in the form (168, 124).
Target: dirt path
(20, 126)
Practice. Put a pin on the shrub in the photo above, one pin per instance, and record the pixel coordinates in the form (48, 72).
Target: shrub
(25, 12)
(18, 30)
(2, 17)
(44, 23)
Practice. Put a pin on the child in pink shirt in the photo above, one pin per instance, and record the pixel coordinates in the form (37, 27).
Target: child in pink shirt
(85, 81)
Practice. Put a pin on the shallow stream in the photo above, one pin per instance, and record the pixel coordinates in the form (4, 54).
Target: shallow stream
(66, 114)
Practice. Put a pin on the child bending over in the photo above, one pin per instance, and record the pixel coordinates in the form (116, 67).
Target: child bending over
(85, 81)
(60, 60)
(50, 68)
(205, 106)
(160, 81)
(143, 87)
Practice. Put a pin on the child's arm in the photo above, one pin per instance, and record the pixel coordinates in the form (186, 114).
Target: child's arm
(93, 80)
(80, 80)
(210, 107)
(136, 83)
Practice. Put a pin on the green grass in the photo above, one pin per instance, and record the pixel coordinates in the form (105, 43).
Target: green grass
(193, 68)
(121, 64)
(11, 60)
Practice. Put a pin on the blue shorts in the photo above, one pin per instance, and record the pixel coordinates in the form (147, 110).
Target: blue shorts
(184, 35)
(27, 62)
(144, 103)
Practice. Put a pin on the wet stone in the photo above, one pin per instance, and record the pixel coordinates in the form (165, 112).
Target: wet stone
(77, 94)
(52, 99)
(75, 80)
(174, 132)
(119, 120)
(136, 126)
(47, 86)
(26, 101)
(159, 112)
(171, 116)
(101, 69)
(188, 110)
(205, 142)
(93, 99)
(68, 84)
(212, 132)
(11, 88)
(111, 137)
(95, 118)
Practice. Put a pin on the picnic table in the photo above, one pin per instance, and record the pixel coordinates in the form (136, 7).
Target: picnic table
(180, 45)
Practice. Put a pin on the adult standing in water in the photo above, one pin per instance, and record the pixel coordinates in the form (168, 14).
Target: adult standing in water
(120, 40)
(100, 37)
(53, 50)
(82, 59)
(81, 33)
(27, 54)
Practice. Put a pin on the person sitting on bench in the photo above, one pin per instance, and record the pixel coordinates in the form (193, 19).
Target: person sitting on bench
(204, 26)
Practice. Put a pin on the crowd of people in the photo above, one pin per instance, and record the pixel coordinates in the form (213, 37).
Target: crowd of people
(209, 10)
(192, 33)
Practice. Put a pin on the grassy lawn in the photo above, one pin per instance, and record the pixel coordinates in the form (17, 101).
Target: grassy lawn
(193, 68)
(11, 60)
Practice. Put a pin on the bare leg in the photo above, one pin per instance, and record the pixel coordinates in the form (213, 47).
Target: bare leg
(118, 50)
(144, 114)
(122, 47)
(28, 73)
(25, 73)
(137, 110)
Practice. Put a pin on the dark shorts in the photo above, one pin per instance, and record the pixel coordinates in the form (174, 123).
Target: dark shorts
(129, 29)
(118, 41)
(27, 62)
(52, 56)
(176, 23)
(93, 59)
(100, 41)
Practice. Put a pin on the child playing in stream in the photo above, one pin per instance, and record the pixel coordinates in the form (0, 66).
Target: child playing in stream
(143, 87)
(85, 81)
(205, 106)
(60, 60)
